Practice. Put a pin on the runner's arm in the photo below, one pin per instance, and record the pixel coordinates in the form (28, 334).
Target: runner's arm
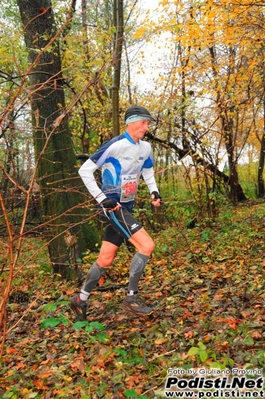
(149, 178)
(86, 173)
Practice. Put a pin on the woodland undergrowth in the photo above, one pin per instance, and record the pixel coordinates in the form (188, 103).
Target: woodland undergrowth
(208, 289)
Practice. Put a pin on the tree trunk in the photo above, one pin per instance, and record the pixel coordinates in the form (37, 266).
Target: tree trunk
(261, 187)
(55, 158)
(225, 108)
(236, 192)
(117, 53)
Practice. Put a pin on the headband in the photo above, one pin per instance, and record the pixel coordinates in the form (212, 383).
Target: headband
(136, 118)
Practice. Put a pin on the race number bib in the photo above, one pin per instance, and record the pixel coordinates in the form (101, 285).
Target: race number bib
(129, 184)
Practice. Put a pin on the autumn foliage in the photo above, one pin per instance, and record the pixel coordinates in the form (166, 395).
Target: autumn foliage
(208, 289)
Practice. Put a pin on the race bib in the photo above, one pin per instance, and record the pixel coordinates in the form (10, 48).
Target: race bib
(129, 184)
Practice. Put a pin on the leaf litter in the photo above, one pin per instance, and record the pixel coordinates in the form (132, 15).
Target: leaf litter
(208, 290)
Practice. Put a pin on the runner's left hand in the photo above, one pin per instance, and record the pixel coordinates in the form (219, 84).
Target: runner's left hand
(156, 198)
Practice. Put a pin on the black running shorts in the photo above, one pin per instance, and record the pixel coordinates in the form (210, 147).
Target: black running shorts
(121, 225)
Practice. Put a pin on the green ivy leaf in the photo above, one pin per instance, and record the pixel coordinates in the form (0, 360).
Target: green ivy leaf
(121, 352)
(97, 325)
(52, 306)
(79, 324)
(130, 393)
(193, 351)
(101, 337)
(201, 346)
(50, 322)
(203, 355)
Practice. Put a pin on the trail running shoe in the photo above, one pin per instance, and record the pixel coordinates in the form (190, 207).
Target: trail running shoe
(79, 308)
(135, 304)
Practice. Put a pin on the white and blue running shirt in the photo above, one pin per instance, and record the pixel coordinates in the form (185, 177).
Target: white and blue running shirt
(122, 162)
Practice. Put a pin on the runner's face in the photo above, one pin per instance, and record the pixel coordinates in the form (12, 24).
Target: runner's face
(138, 129)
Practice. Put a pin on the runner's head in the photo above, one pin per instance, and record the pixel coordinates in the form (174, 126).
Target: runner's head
(137, 113)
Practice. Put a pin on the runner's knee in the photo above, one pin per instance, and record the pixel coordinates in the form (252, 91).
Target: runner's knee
(106, 257)
(146, 247)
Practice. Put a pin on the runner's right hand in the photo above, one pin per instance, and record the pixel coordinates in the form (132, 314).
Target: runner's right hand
(109, 203)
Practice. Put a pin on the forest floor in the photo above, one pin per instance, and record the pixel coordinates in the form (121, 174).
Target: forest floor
(208, 289)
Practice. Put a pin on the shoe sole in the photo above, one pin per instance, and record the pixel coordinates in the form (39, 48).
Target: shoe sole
(135, 311)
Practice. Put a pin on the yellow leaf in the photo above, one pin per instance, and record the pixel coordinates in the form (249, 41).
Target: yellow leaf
(139, 33)
(67, 378)
(160, 341)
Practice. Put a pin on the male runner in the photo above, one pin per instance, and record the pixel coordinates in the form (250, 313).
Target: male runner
(122, 160)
